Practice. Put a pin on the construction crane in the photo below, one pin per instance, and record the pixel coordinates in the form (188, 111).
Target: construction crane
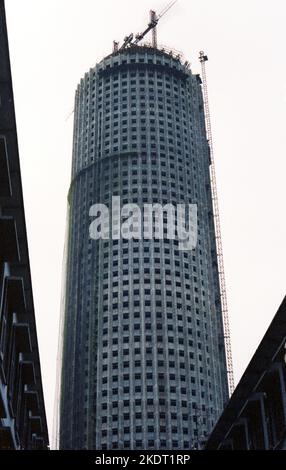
(154, 19)
(152, 25)
(203, 58)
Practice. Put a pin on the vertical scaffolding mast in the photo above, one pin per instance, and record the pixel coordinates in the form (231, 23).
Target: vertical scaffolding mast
(203, 58)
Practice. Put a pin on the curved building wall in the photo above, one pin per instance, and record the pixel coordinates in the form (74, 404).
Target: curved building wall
(143, 356)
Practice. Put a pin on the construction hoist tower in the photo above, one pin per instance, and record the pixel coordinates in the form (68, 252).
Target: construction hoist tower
(203, 58)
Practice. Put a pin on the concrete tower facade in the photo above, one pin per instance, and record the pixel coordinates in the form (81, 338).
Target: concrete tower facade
(143, 349)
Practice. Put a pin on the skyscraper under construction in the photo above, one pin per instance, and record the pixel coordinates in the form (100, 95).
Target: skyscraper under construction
(143, 361)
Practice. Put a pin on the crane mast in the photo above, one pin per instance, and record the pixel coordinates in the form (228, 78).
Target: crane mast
(203, 58)
(153, 19)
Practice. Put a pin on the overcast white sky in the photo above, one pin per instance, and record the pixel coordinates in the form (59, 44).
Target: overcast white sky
(53, 43)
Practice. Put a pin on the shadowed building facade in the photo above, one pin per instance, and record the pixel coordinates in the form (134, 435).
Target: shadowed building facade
(22, 411)
(143, 358)
(255, 416)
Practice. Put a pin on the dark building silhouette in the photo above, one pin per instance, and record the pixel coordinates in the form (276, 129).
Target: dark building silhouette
(22, 412)
(255, 417)
(143, 345)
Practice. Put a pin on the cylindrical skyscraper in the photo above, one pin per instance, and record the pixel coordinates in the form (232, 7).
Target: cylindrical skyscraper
(143, 348)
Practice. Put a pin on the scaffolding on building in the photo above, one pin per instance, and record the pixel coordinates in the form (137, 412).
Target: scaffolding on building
(203, 58)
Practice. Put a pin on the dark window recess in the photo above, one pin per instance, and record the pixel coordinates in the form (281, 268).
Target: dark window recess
(5, 182)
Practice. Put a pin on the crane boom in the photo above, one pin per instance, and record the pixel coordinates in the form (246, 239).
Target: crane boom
(203, 58)
(167, 8)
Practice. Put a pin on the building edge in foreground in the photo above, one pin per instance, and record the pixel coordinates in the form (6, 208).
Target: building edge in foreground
(23, 423)
(255, 416)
